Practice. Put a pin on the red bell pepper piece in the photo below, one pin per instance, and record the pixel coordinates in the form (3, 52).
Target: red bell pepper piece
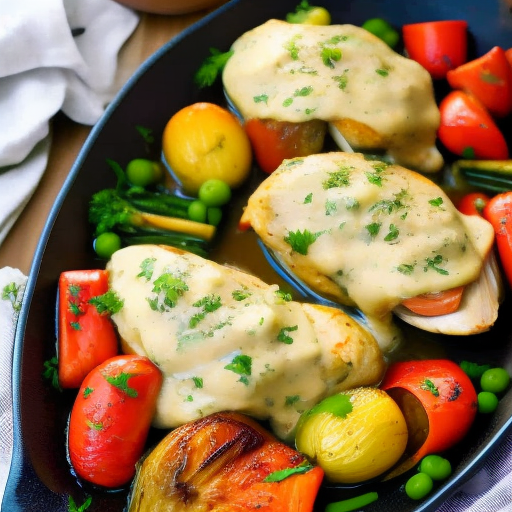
(446, 395)
(111, 417)
(508, 55)
(489, 79)
(438, 46)
(468, 130)
(473, 203)
(86, 338)
(498, 212)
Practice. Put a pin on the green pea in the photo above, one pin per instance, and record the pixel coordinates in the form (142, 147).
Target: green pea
(436, 467)
(418, 486)
(107, 244)
(383, 30)
(143, 172)
(495, 380)
(197, 211)
(214, 215)
(487, 402)
(214, 192)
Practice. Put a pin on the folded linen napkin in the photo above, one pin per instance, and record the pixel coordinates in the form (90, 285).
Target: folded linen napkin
(56, 55)
(490, 490)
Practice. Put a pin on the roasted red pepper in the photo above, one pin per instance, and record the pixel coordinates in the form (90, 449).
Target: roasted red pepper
(110, 419)
(86, 338)
(468, 130)
(498, 212)
(489, 79)
(438, 46)
(473, 203)
(438, 400)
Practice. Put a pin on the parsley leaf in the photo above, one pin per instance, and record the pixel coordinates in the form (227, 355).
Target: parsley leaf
(283, 334)
(300, 241)
(393, 233)
(120, 382)
(109, 303)
(339, 178)
(241, 365)
(147, 267)
(373, 228)
(172, 287)
(73, 507)
(433, 263)
(51, 372)
(211, 67)
(281, 474)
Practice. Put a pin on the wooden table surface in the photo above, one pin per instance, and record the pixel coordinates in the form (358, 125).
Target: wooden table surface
(19, 247)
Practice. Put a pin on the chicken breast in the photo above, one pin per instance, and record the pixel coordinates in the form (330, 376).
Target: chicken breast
(225, 340)
(369, 234)
(343, 75)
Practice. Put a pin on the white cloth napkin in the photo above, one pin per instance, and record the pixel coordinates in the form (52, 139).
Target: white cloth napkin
(55, 55)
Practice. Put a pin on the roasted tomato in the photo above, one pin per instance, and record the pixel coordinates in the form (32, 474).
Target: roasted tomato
(439, 403)
(110, 419)
(224, 462)
(273, 141)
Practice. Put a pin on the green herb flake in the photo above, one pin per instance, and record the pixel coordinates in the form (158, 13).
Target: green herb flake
(382, 72)
(282, 296)
(330, 207)
(428, 385)
(300, 241)
(329, 56)
(120, 382)
(283, 335)
(305, 91)
(172, 287)
(241, 365)
(209, 304)
(309, 198)
(75, 308)
(374, 178)
(373, 229)
(87, 392)
(74, 290)
(147, 268)
(390, 206)
(290, 400)
(94, 426)
(341, 80)
(13, 293)
(287, 102)
(433, 264)
(240, 295)
(211, 67)
(392, 234)
(292, 48)
(405, 269)
(339, 178)
(108, 303)
(198, 382)
(437, 202)
(351, 203)
(262, 98)
(75, 326)
(189, 398)
(282, 474)
(51, 372)
(73, 507)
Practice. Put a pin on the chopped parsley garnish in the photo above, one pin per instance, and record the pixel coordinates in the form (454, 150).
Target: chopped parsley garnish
(339, 178)
(281, 474)
(438, 201)
(330, 207)
(305, 91)
(428, 385)
(147, 267)
(390, 205)
(240, 295)
(262, 98)
(351, 203)
(121, 382)
(172, 288)
(374, 178)
(433, 263)
(75, 326)
(300, 241)
(392, 234)
(75, 308)
(292, 48)
(341, 80)
(198, 382)
(287, 102)
(373, 228)
(108, 303)
(309, 198)
(405, 269)
(209, 304)
(73, 507)
(88, 391)
(241, 365)
(380, 166)
(290, 400)
(74, 290)
(211, 67)
(282, 296)
(382, 72)
(330, 56)
(283, 336)
(146, 134)
(51, 372)
(13, 293)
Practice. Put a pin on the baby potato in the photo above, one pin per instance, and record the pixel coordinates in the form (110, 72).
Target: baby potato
(353, 436)
(204, 141)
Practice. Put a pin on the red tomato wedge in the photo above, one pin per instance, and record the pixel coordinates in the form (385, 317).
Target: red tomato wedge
(274, 141)
(435, 304)
(86, 338)
(110, 419)
(439, 403)
(489, 79)
(498, 212)
(473, 203)
(224, 462)
(438, 46)
(468, 130)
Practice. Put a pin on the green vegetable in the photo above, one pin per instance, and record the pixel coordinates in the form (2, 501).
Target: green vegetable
(197, 211)
(473, 370)
(211, 67)
(214, 192)
(436, 467)
(279, 476)
(143, 172)
(493, 176)
(107, 244)
(73, 507)
(418, 486)
(214, 215)
(487, 402)
(51, 372)
(383, 30)
(307, 14)
(495, 380)
(350, 504)
(108, 303)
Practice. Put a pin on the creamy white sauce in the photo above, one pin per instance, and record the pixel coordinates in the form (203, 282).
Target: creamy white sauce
(283, 71)
(381, 233)
(248, 350)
